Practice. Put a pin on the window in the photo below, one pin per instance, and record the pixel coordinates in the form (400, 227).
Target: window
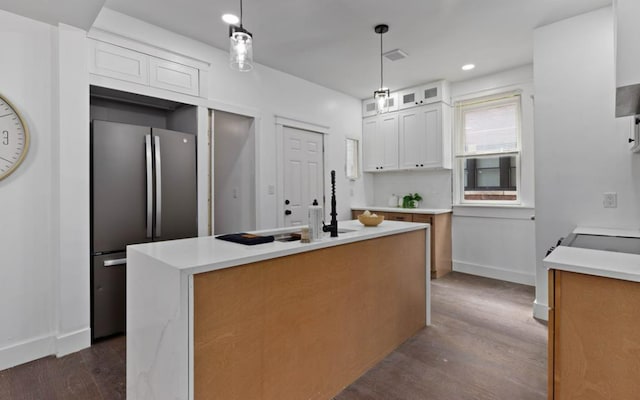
(488, 149)
(352, 168)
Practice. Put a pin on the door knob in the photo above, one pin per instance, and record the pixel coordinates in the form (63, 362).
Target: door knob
(287, 212)
(286, 202)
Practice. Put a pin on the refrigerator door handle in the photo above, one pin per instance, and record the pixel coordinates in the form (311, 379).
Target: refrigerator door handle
(113, 263)
(147, 140)
(158, 187)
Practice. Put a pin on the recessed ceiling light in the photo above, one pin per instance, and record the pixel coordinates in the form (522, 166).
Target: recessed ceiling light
(230, 19)
(468, 67)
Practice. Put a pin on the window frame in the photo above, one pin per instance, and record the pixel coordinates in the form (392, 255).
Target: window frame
(460, 156)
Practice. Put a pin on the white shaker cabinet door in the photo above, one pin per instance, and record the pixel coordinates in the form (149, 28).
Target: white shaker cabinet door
(370, 145)
(431, 142)
(173, 76)
(411, 139)
(118, 62)
(389, 141)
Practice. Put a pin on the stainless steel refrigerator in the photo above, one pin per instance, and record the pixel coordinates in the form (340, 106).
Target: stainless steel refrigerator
(143, 184)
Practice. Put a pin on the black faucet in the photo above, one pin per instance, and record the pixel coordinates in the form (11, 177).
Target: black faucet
(333, 227)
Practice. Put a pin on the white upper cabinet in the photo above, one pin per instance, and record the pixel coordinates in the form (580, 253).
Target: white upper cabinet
(425, 137)
(415, 134)
(380, 142)
(426, 94)
(627, 57)
(117, 62)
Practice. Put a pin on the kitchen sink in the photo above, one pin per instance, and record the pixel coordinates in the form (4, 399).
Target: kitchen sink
(287, 237)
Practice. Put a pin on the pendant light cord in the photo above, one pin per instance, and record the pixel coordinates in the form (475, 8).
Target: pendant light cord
(381, 64)
(240, 13)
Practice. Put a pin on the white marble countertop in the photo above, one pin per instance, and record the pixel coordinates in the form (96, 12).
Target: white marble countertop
(607, 264)
(204, 254)
(403, 210)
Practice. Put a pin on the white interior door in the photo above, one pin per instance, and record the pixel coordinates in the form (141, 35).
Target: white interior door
(303, 173)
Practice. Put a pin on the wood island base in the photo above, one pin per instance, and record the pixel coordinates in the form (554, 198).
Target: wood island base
(306, 325)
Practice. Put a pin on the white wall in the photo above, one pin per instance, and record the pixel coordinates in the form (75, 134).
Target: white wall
(234, 169)
(499, 242)
(581, 150)
(27, 265)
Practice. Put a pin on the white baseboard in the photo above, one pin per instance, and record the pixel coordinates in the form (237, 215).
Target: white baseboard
(43, 346)
(494, 273)
(25, 351)
(540, 311)
(73, 341)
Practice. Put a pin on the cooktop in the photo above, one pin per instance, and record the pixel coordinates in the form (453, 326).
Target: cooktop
(619, 244)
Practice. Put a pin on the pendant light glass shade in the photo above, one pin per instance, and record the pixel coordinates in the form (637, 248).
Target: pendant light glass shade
(382, 100)
(240, 49)
(382, 95)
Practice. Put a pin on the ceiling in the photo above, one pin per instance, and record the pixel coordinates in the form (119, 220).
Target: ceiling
(78, 13)
(332, 42)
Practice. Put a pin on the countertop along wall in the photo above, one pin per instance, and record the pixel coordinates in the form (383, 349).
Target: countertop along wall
(581, 149)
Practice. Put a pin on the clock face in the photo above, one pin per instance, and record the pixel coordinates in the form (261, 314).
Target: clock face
(14, 138)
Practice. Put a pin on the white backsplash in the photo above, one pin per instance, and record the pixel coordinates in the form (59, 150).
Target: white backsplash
(433, 186)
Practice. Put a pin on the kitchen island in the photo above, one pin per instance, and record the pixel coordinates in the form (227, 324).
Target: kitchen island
(284, 320)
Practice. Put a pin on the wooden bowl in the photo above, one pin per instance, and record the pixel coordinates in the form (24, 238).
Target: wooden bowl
(369, 220)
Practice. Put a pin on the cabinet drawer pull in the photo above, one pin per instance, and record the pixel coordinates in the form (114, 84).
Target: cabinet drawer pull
(113, 263)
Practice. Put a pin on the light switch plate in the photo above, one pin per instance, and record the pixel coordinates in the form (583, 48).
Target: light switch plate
(610, 200)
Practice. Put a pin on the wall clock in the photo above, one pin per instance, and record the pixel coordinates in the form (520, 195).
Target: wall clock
(14, 138)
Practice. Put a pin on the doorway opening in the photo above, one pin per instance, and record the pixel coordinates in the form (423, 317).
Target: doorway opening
(234, 166)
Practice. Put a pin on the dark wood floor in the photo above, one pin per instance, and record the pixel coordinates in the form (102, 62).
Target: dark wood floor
(483, 344)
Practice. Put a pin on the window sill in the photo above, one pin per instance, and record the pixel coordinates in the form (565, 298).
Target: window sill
(504, 211)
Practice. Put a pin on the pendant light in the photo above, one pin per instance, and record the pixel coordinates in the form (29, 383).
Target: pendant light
(241, 47)
(381, 96)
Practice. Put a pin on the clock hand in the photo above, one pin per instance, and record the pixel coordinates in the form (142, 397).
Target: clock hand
(5, 159)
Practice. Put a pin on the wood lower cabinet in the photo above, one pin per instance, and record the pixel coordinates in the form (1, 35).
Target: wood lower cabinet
(440, 236)
(594, 345)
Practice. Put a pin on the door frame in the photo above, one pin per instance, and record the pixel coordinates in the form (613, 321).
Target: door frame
(281, 123)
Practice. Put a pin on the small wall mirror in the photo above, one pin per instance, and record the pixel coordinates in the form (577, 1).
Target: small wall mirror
(352, 168)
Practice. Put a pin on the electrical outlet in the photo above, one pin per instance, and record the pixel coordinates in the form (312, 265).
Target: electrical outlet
(610, 200)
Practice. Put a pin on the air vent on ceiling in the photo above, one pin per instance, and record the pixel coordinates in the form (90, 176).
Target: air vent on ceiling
(395, 55)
